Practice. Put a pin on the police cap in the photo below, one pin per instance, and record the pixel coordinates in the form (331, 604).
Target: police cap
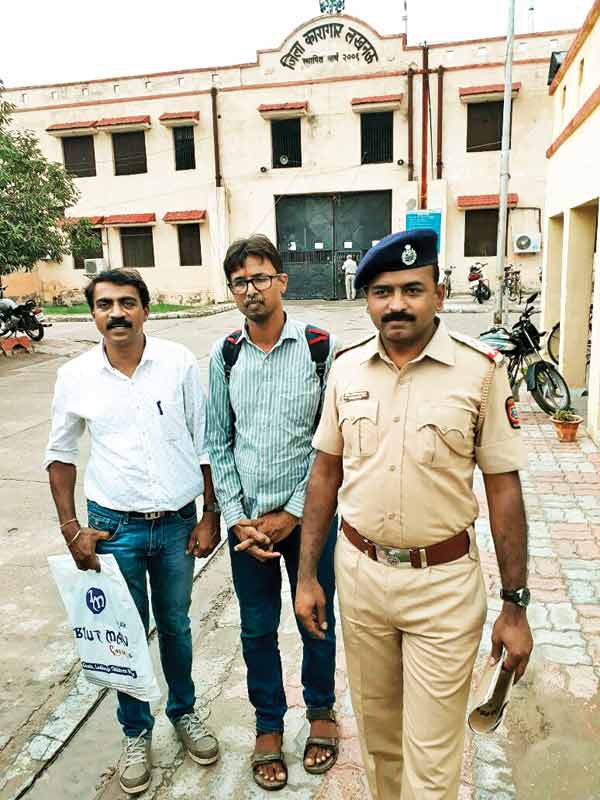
(404, 250)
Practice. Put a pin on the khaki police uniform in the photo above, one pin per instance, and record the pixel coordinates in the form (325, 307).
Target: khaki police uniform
(409, 446)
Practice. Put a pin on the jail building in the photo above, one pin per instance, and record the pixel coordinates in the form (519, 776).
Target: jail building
(326, 143)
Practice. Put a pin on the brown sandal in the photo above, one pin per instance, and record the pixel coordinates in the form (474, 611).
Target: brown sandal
(331, 743)
(268, 758)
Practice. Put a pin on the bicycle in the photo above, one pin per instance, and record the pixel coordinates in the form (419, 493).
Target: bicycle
(512, 283)
(553, 341)
(447, 282)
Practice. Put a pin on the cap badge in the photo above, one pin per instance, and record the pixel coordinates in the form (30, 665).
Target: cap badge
(409, 256)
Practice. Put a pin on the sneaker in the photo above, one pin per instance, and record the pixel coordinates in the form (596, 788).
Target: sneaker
(134, 768)
(200, 743)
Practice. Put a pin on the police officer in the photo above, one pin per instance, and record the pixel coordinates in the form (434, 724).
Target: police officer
(407, 416)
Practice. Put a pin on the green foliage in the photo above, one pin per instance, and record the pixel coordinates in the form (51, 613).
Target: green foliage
(566, 415)
(34, 194)
(332, 6)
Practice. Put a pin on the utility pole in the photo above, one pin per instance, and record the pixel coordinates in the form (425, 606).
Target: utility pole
(504, 166)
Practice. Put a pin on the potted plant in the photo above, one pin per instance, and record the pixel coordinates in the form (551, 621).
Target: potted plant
(565, 424)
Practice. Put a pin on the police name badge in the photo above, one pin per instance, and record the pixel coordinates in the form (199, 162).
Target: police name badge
(349, 396)
(409, 255)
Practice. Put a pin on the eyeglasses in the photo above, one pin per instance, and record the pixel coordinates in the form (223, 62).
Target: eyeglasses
(260, 282)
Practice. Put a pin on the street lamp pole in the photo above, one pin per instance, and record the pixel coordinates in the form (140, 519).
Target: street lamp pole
(504, 166)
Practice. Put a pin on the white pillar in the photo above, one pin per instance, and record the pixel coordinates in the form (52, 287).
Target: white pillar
(218, 222)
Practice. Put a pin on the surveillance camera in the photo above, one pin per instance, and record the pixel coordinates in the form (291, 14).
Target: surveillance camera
(263, 170)
(400, 162)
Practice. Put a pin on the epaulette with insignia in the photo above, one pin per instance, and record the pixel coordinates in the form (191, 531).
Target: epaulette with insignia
(353, 346)
(481, 347)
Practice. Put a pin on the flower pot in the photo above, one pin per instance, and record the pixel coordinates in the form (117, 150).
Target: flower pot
(566, 430)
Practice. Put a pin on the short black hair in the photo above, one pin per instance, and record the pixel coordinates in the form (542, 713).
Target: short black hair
(257, 245)
(120, 277)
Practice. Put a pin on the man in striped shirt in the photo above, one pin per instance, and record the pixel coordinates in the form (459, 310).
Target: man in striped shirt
(261, 417)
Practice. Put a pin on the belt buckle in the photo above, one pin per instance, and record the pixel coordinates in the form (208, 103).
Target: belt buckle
(153, 515)
(392, 556)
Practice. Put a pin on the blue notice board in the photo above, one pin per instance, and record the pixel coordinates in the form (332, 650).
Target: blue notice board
(427, 218)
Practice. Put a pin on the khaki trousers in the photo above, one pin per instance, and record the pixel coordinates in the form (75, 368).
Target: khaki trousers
(410, 637)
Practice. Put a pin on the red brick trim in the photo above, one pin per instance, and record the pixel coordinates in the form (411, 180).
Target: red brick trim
(196, 215)
(576, 45)
(167, 95)
(108, 122)
(314, 81)
(72, 126)
(381, 98)
(301, 106)
(168, 115)
(129, 219)
(488, 200)
(490, 88)
(93, 220)
(590, 105)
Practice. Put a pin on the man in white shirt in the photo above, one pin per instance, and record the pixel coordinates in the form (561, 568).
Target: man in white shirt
(143, 404)
(350, 266)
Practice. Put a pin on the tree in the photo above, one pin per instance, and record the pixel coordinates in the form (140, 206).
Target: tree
(34, 195)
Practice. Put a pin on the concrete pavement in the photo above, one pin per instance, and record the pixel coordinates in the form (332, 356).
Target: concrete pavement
(548, 738)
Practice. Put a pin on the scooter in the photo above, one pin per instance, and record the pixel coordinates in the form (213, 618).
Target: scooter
(480, 286)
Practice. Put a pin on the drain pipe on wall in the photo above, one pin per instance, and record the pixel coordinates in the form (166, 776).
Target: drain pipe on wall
(411, 163)
(440, 111)
(218, 176)
(424, 126)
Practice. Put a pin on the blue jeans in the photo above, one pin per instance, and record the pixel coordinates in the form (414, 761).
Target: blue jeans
(157, 548)
(258, 589)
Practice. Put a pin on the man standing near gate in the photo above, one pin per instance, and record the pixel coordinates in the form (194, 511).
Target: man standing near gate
(266, 383)
(350, 266)
(407, 416)
(143, 404)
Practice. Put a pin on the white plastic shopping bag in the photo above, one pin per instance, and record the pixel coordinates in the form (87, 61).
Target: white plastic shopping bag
(107, 627)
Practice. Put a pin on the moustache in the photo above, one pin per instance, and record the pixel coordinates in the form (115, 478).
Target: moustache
(397, 316)
(118, 323)
(251, 300)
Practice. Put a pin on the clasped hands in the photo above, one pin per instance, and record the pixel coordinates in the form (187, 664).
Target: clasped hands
(258, 537)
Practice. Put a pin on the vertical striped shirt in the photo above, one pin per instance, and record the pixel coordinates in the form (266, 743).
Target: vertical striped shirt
(261, 461)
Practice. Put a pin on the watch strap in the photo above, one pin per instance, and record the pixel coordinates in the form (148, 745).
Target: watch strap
(211, 507)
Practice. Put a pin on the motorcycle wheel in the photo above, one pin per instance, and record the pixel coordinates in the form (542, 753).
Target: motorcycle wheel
(550, 390)
(483, 293)
(553, 343)
(33, 329)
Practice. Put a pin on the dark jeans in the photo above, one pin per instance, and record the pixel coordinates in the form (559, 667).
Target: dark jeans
(155, 548)
(258, 588)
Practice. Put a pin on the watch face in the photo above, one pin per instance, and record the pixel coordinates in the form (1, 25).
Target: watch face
(525, 597)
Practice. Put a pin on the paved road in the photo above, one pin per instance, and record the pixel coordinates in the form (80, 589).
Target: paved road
(42, 700)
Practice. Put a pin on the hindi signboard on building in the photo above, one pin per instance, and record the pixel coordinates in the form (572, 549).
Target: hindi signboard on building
(349, 44)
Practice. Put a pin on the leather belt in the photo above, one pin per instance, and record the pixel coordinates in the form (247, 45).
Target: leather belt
(418, 557)
(148, 515)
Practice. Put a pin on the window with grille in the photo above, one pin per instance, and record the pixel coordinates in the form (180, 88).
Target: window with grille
(481, 232)
(185, 156)
(137, 247)
(78, 156)
(190, 254)
(377, 137)
(287, 143)
(130, 153)
(484, 126)
(94, 251)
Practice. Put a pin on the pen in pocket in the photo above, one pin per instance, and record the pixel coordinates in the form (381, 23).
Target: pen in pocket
(160, 411)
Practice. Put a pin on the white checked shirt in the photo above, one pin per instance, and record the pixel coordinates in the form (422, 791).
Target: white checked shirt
(146, 432)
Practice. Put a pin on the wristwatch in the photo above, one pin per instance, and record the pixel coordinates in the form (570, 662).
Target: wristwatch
(211, 507)
(519, 597)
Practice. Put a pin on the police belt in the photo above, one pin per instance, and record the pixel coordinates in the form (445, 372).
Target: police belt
(418, 557)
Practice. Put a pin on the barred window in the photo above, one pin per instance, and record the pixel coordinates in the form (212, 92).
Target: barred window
(137, 246)
(94, 251)
(481, 232)
(190, 254)
(287, 143)
(130, 153)
(185, 156)
(484, 126)
(78, 156)
(377, 137)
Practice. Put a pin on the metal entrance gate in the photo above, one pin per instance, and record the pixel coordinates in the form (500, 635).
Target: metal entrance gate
(315, 234)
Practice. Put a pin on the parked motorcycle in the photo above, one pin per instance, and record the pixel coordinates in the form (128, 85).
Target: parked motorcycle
(18, 318)
(480, 286)
(521, 345)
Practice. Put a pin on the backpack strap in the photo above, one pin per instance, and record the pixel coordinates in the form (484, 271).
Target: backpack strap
(231, 350)
(319, 343)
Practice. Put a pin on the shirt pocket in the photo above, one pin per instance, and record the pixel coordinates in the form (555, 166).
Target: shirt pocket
(444, 436)
(172, 420)
(359, 425)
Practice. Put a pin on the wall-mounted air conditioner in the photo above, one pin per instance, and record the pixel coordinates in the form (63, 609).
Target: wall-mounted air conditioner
(527, 242)
(93, 266)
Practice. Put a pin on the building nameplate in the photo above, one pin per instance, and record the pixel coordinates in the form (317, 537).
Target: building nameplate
(300, 53)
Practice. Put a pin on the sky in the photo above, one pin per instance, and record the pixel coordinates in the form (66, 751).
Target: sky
(74, 40)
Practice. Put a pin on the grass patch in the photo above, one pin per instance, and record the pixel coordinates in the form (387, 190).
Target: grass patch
(82, 308)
